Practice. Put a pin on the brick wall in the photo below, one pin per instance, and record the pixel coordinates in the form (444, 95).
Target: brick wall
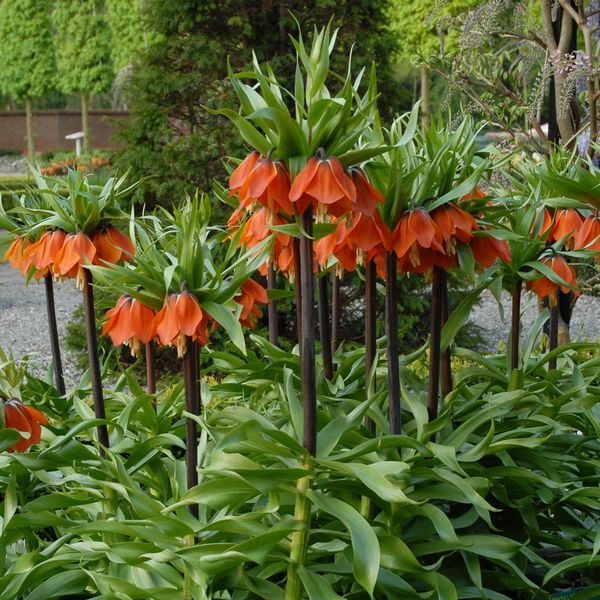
(51, 126)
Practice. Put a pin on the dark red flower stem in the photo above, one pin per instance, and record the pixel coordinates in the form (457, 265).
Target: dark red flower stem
(336, 284)
(324, 330)
(150, 374)
(553, 334)
(298, 289)
(391, 330)
(59, 377)
(434, 343)
(370, 332)
(192, 406)
(272, 307)
(307, 335)
(93, 358)
(446, 359)
(515, 328)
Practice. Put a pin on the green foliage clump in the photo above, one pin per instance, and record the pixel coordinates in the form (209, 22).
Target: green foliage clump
(27, 63)
(82, 40)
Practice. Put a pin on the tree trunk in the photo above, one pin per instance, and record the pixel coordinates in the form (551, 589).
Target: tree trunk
(85, 121)
(29, 129)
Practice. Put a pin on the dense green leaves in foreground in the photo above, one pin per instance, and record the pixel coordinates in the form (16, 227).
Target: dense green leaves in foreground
(497, 498)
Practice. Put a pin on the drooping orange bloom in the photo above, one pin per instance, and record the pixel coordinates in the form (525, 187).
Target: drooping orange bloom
(251, 293)
(76, 252)
(545, 287)
(367, 196)
(268, 182)
(454, 224)
(486, 249)
(418, 242)
(367, 237)
(15, 255)
(112, 246)
(588, 235)
(241, 172)
(181, 316)
(567, 221)
(25, 419)
(43, 252)
(130, 322)
(324, 184)
(256, 229)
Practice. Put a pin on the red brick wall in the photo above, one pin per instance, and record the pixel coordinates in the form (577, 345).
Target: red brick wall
(51, 126)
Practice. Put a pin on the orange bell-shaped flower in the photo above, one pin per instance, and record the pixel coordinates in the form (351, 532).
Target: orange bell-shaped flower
(43, 252)
(567, 221)
(323, 183)
(241, 172)
(417, 231)
(181, 316)
(454, 224)
(251, 293)
(545, 287)
(367, 196)
(77, 251)
(130, 322)
(269, 184)
(486, 249)
(15, 255)
(25, 419)
(587, 237)
(112, 246)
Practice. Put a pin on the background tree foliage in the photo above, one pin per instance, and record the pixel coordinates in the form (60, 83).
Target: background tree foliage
(27, 63)
(171, 137)
(128, 31)
(83, 51)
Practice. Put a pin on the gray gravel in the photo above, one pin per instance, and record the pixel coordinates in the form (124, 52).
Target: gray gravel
(13, 165)
(585, 324)
(23, 324)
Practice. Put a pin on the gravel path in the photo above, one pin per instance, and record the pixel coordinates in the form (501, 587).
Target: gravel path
(23, 325)
(585, 324)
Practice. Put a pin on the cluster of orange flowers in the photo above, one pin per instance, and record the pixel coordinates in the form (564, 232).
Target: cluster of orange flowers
(420, 240)
(89, 166)
(65, 254)
(133, 323)
(578, 233)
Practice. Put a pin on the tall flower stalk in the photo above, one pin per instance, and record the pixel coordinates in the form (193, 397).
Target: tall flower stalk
(299, 173)
(59, 377)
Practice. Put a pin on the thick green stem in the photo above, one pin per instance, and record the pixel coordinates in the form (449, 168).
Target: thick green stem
(293, 589)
